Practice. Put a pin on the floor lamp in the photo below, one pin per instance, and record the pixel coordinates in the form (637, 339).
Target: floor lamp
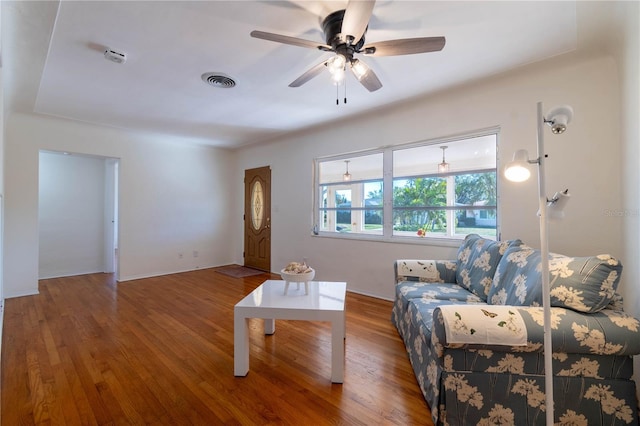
(518, 171)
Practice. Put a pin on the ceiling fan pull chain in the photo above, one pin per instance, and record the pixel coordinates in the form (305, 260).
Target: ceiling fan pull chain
(345, 90)
(337, 96)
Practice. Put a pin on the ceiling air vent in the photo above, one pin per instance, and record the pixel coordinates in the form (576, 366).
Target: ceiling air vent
(216, 79)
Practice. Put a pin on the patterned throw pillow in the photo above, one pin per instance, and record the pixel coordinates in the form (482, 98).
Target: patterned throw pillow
(584, 284)
(477, 261)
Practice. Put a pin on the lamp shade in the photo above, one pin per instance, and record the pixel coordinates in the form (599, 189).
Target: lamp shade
(518, 169)
(559, 117)
(555, 206)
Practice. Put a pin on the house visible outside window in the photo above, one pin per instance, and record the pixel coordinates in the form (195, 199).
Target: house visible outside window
(399, 192)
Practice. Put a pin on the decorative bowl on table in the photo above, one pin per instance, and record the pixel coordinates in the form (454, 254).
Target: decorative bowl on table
(297, 273)
(297, 278)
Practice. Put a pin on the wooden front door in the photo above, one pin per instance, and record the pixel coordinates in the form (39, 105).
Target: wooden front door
(257, 218)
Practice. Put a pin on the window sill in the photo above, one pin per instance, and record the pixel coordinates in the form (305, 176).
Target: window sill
(425, 241)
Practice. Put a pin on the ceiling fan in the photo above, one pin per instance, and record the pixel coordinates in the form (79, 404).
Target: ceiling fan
(344, 32)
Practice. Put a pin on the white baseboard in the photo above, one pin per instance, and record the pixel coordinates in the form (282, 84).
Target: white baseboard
(26, 293)
(160, 274)
(67, 274)
(1, 323)
(364, 293)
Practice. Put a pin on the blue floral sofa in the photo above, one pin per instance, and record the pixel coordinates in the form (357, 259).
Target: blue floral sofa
(473, 330)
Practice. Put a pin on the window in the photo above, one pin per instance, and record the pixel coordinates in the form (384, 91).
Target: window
(400, 192)
(354, 206)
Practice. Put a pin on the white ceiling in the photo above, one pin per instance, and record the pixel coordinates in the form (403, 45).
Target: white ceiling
(53, 60)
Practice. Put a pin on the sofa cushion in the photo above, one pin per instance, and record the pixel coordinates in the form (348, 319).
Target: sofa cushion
(409, 290)
(477, 261)
(584, 284)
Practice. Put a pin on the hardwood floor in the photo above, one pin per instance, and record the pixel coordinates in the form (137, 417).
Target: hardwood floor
(88, 350)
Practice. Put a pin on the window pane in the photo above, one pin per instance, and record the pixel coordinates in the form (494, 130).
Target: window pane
(328, 220)
(373, 202)
(343, 197)
(343, 215)
(419, 222)
(373, 221)
(476, 221)
(365, 167)
(424, 192)
(476, 189)
(367, 221)
(354, 207)
(343, 221)
(476, 153)
(373, 194)
(257, 206)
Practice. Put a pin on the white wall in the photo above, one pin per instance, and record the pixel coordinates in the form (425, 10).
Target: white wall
(1, 186)
(71, 215)
(626, 48)
(585, 159)
(174, 198)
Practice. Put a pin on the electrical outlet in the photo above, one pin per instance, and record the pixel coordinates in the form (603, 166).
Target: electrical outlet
(195, 253)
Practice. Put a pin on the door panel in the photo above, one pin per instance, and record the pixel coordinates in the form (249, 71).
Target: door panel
(257, 218)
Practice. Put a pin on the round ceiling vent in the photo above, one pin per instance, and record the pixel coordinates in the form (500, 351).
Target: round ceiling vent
(217, 79)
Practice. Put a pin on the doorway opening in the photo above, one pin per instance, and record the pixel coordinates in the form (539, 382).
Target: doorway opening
(77, 214)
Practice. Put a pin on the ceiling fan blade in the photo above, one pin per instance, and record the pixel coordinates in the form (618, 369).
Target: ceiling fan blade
(316, 8)
(365, 75)
(407, 46)
(356, 18)
(309, 74)
(294, 41)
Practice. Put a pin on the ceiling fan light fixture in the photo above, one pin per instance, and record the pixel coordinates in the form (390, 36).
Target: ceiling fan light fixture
(359, 68)
(337, 76)
(336, 63)
(336, 67)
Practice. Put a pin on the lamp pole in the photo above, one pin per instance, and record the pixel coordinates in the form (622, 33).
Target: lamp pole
(544, 253)
(516, 171)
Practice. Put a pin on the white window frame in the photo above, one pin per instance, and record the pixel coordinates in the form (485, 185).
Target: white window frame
(387, 234)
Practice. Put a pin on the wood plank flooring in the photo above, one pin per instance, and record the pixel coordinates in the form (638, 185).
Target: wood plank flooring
(159, 351)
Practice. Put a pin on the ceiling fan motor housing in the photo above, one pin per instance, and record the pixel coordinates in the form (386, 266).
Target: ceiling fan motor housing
(332, 27)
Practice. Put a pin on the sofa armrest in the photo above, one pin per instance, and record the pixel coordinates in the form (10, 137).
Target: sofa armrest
(430, 271)
(608, 332)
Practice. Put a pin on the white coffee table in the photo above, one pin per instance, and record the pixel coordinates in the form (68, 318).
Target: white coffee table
(324, 302)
